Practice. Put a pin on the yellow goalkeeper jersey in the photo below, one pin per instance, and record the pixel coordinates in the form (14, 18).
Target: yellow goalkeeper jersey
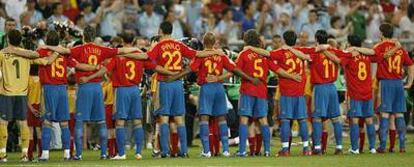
(34, 93)
(15, 71)
(108, 93)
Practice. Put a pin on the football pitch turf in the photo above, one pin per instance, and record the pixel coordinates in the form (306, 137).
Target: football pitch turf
(90, 158)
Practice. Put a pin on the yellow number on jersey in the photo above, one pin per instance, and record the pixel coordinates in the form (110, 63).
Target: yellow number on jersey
(131, 73)
(292, 63)
(212, 67)
(176, 65)
(258, 73)
(326, 63)
(394, 63)
(362, 71)
(93, 60)
(57, 68)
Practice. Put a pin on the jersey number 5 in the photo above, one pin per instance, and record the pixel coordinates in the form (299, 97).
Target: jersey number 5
(57, 68)
(258, 73)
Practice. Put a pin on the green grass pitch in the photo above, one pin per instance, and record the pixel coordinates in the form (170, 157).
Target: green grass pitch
(91, 158)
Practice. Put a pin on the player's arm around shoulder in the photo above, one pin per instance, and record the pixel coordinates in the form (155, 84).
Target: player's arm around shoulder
(46, 60)
(21, 52)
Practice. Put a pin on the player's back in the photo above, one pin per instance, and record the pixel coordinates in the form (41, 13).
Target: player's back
(91, 54)
(257, 66)
(211, 66)
(324, 70)
(169, 54)
(127, 71)
(15, 75)
(107, 91)
(358, 76)
(291, 64)
(54, 73)
(392, 67)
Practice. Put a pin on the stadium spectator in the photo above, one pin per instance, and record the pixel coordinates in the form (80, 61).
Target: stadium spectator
(248, 21)
(342, 9)
(9, 25)
(283, 24)
(193, 9)
(87, 12)
(281, 6)
(36, 15)
(178, 26)
(237, 9)
(356, 15)
(337, 30)
(107, 17)
(303, 39)
(375, 18)
(264, 19)
(217, 6)
(14, 8)
(407, 22)
(44, 8)
(205, 23)
(300, 15)
(227, 28)
(148, 20)
(313, 25)
(400, 12)
(57, 16)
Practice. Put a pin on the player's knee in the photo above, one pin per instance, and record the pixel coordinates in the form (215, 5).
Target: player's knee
(369, 120)
(222, 118)
(47, 123)
(399, 115)
(385, 115)
(23, 124)
(64, 124)
(204, 117)
(335, 120)
(3, 122)
(137, 122)
(355, 120)
(316, 120)
(263, 121)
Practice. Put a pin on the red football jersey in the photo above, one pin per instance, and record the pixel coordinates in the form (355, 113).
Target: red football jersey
(91, 54)
(208, 66)
(391, 68)
(292, 64)
(358, 76)
(169, 54)
(323, 70)
(126, 71)
(55, 73)
(257, 66)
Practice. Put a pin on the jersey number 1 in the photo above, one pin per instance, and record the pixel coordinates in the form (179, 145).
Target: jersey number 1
(16, 63)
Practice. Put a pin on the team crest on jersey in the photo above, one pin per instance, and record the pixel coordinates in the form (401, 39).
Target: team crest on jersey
(216, 58)
(288, 55)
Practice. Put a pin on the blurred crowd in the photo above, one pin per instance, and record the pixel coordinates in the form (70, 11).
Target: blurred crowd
(227, 18)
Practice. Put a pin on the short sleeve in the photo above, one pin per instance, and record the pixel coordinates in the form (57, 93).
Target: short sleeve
(75, 52)
(273, 66)
(228, 64)
(188, 52)
(109, 52)
(111, 65)
(276, 55)
(379, 53)
(149, 65)
(345, 60)
(195, 64)
(154, 52)
(40, 61)
(70, 62)
(239, 61)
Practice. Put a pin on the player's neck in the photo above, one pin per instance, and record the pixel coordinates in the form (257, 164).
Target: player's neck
(209, 49)
(166, 37)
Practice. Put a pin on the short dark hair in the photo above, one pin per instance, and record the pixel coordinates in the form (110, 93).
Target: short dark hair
(225, 11)
(276, 36)
(252, 38)
(335, 19)
(52, 38)
(354, 40)
(89, 34)
(14, 37)
(128, 37)
(247, 5)
(321, 37)
(155, 38)
(290, 37)
(55, 6)
(387, 30)
(10, 20)
(166, 28)
(314, 11)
